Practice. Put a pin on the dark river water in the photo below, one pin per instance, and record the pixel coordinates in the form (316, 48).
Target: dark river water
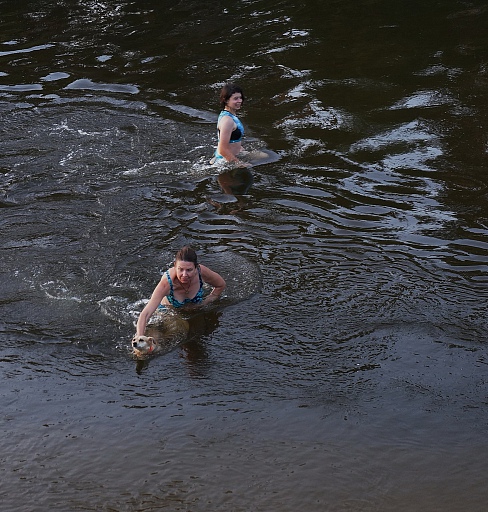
(345, 369)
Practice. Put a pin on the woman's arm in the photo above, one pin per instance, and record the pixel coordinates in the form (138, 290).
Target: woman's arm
(215, 280)
(161, 290)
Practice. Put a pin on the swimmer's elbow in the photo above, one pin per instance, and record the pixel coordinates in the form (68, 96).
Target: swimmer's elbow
(218, 290)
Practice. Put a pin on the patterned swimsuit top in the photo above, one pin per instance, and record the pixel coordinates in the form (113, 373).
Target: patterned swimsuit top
(238, 133)
(176, 303)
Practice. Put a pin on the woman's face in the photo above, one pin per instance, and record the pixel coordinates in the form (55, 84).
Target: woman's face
(235, 101)
(185, 270)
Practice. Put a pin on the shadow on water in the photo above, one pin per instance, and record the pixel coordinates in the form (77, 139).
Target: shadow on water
(236, 182)
(195, 351)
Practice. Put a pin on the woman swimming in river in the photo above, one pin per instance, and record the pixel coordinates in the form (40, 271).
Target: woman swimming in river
(230, 129)
(180, 286)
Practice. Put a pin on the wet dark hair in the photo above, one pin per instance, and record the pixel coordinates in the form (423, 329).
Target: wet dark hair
(186, 253)
(227, 91)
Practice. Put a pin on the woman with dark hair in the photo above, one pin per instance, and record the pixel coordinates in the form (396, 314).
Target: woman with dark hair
(182, 285)
(229, 127)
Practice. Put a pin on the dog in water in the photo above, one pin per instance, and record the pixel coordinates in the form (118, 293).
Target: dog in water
(144, 346)
(165, 332)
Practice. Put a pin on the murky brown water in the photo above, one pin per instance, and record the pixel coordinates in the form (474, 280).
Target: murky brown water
(345, 369)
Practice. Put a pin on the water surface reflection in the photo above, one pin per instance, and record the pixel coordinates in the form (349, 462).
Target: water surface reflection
(344, 368)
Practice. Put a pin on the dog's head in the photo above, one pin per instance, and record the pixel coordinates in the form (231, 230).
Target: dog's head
(143, 345)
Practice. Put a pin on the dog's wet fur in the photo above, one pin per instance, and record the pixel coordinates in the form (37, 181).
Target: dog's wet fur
(165, 332)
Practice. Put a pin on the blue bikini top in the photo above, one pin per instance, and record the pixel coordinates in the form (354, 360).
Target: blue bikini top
(176, 303)
(238, 133)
